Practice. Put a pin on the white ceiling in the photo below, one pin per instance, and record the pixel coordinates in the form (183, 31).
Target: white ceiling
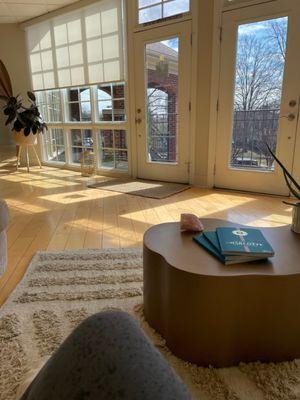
(12, 11)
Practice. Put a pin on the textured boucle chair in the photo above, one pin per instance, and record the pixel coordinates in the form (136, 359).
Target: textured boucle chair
(107, 357)
(4, 220)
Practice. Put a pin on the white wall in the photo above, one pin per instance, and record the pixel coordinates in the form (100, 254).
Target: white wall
(13, 55)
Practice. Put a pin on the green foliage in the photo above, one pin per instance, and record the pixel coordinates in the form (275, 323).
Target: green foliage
(291, 182)
(20, 117)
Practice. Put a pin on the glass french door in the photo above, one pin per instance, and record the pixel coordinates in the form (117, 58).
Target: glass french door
(258, 96)
(162, 71)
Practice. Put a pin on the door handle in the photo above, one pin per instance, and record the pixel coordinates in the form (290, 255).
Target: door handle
(289, 117)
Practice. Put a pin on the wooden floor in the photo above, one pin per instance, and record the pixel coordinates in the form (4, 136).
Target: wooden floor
(52, 209)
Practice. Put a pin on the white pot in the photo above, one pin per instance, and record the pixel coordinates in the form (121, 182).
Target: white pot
(21, 139)
(296, 219)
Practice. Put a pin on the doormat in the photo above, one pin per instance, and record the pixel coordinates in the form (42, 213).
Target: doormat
(139, 187)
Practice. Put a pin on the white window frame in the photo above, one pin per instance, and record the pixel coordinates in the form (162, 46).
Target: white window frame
(159, 22)
(93, 125)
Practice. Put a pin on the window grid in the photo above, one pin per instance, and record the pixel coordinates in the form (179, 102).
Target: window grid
(114, 149)
(57, 62)
(50, 105)
(95, 125)
(116, 102)
(150, 11)
(79, 102)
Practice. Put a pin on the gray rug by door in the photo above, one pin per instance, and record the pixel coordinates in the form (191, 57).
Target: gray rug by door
(139, 187)
(60, 289)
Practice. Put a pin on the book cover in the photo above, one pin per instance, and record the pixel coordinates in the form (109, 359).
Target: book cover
(213, 238)
(244, 241)
(208, 246)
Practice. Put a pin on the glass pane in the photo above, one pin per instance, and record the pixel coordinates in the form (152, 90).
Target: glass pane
(162, 100)
(106, 138)
(86, 112)
(76, 154)
(59, 137)
(121, 160)
(104, 92)
(85, 94)
(107, 158)
(152, 10)
(260, 62)
(74, 112)
(175, 7)
(145, 3)
(150, 14)
(76, 137)
(119, 110)
(54, 112)
(87, 138)
(60, 151)
(118, 91)
(105, 110)
(54, 145)
(120, 139)
(73, 95)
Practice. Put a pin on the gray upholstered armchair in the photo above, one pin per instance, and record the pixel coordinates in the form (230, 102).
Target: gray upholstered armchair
(4, 220)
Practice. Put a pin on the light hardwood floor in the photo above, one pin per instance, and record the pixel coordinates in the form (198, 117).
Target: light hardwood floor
(52, 209)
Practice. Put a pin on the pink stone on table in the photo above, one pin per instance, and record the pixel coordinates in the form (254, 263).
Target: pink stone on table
(190, 223)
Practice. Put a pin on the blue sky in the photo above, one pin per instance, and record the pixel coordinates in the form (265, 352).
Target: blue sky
(260, 29)
(173, 43)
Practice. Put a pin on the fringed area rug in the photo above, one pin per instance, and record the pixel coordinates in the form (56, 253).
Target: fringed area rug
(60, 289)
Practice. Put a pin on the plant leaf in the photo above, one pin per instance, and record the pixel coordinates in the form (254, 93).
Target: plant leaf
(10, 118)
(293, 191)
(31, 96)
(284, 169)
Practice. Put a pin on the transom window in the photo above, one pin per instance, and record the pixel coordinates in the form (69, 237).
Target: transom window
(154, 10)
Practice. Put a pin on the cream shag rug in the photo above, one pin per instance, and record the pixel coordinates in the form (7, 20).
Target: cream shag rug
(60, 289)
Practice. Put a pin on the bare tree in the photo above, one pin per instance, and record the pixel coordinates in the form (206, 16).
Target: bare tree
(258, 74)
(278, 31)
(258, 85)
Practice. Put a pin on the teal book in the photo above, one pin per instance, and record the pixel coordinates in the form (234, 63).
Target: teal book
(206, 244)
(213, 238)
(244, 241)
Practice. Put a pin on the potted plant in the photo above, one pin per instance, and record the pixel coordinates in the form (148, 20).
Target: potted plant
(294, 188)
(26, 122)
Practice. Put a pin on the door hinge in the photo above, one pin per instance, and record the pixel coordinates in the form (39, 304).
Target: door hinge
(215, 169)
(190, 106)
(191, 39)
(217, 105)
(221, 33)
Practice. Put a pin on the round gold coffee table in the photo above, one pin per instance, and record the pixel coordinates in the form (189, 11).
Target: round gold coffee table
(212, 314)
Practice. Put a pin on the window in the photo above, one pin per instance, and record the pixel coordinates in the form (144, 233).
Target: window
(77, 69)
(81, 140)
(113, 149)
(95, 109)
(79, 104)
(54, 145)
(50, 105)
(111, 102)
(260, 64)
(83, 47)
(153, 10)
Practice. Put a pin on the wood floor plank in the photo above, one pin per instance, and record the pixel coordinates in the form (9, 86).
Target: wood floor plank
(53, 209)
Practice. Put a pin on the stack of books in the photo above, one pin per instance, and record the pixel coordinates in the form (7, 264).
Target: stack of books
(235, 245)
